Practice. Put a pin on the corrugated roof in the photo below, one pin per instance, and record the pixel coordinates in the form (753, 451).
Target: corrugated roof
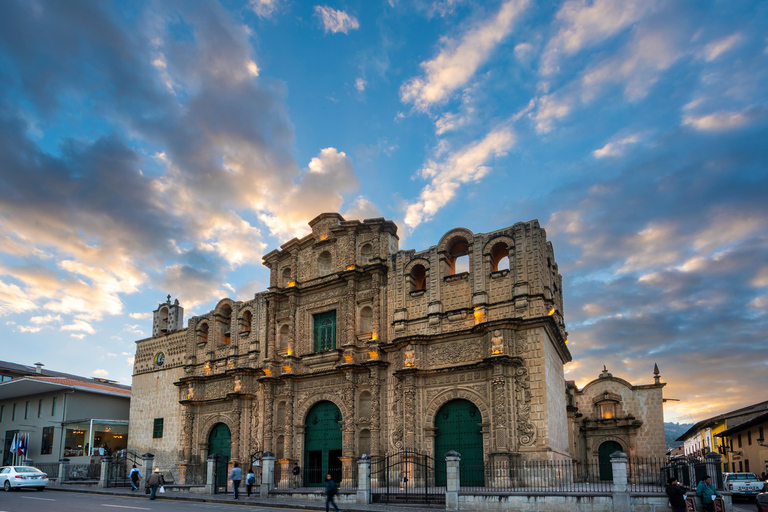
(83, 384)
(31, 371)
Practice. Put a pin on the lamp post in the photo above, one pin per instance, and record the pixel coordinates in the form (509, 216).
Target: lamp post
(760, 441)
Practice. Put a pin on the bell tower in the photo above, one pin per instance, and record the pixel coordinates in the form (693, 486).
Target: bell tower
(167, 317)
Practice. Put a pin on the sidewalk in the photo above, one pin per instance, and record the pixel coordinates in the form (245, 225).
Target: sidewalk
(276, 502)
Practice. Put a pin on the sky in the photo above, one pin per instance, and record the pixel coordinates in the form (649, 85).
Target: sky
(154, 148)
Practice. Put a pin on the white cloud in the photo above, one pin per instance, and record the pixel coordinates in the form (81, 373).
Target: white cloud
(451, 121)
(141, 316)
(101, 373)
(25, 328)
(135, 328)
(130, 360)
(615, 148)
(466, 165)
(362, 208)
(45, 319)
(79, 325)
(459, 59)
(583, 24)
(336, 21)
(717, 48)
(718, 121)
(264, 8)
(523, 51)
(360, 84)
(77, 336)
(13, 299)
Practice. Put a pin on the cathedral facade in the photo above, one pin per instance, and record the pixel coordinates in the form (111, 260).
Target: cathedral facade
(360, 347)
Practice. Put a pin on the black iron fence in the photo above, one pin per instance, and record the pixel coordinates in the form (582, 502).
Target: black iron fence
(193, 474)
(49, 468)
(407, 477)
(83, 471)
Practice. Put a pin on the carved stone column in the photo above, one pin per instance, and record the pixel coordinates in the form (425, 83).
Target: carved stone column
(351, 316)
(271, 330)
(499, 399)
(375, 412)
(376, 289)
(189, 418)
(409, 410)
(526, 431)
(289, 399)
(269, 403)
(236, 417)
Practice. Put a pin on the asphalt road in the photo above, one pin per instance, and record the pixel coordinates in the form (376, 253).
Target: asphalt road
(33, 501)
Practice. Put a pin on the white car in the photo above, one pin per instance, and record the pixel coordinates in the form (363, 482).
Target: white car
(15, 477)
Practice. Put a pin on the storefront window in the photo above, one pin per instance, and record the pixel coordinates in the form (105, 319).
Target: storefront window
(75, 440)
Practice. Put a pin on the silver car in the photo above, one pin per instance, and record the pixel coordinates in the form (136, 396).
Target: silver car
(15, 477)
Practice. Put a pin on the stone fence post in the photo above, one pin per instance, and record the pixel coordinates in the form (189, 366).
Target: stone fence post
(453, 480)
(715, 468)
(106, 462)
(364, 479)
(148, 463)
(267, 474)
(210, 474)
(63, 470)
(621, 501)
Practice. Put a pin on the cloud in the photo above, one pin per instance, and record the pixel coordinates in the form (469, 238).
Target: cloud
(582, 24)
(616, 148)
(77, 336)
(45, 319)
(721, 121)
(459, 59)
(717, 48)
(523, 52)
(264, 8)
(79, 325)
(101, 373)
(336, 21)
(32, 329)
(140, 316)
(465, 165)
(130, 360)
(362, 208)
(360, 84)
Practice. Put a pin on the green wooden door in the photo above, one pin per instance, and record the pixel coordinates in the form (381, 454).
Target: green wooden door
(604, 458)
(458, 429)
(220, 443)
(322, 444)
(325, 331)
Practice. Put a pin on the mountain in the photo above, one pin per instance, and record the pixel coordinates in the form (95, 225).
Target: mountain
(674, 430)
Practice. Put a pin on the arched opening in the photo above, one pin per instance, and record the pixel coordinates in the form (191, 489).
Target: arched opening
(285, 334)
(224, 323)
(286, 277)
(322, 444)
(364, 442)
(280, 447)
(280, 417)
(366, 253)
(457, 427)
(604, 458)
(164, 320)
(500, 257)
(366, 319)
(246, 320)
(220, 444)
(458, 257)
(202, 333)
(324, 264)
(364, 405)
(418, 278)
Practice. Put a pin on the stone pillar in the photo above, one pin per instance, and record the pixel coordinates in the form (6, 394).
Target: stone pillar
(63, 470)
(347, 472)
(236, 417)
(106, 461)
(285, 473)
(210, 475)
(267, 474)
(453, 480)
(364, 479)
(621, 501)
(148, 462)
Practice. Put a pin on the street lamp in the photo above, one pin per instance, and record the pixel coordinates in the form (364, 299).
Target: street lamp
(760, 441)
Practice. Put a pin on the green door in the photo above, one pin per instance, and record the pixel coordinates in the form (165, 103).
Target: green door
(457, 427)
(325, 331)
(220, 443)
(322, 444)
(604, 458)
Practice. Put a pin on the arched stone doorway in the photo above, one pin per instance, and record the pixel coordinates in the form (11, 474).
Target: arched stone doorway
(604, 458)
(322, 444)
(457, 427)
(220, 443)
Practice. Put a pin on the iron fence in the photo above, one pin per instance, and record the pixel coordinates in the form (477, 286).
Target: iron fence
(83, 471)
(646, 475)
(408, 477)
(193, 474)
(49, 468)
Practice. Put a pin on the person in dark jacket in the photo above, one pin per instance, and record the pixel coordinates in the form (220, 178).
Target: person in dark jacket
(707, 492)
(154, 481)
(676, 493)
(330, 492)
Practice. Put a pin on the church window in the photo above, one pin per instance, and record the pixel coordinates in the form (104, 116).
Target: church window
(324, 331)
(245, 322)
(324, 264)
(365, 405)
(280, 417)
(500, 257)
(458, 257)
(225, 324)
(286, 277)
(202, 333)
(285, 333)
(607, 410)
(157, 428)
(280, 447)
(418, 278)
(366, 319)
(366, 253)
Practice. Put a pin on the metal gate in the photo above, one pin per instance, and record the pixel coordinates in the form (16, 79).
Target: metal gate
(405, 477)
(220, 473)
(119, 469)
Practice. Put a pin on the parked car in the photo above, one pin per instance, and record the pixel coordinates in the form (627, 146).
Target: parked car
(762, 502)
(742, 484)
(16, 477)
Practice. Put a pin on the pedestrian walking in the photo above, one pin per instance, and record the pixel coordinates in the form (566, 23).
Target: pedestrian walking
(135, 476)
(707, 492)
(296, 471)
(154, 481)
(330, 492)
(250, 479)
(676, 493)
(236, 475)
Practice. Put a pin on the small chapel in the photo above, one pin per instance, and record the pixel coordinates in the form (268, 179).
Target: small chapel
(359, 347)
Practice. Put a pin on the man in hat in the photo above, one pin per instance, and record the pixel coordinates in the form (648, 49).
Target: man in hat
(154, 481)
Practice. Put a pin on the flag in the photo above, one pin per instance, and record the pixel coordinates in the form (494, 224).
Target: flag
(23, 447)
(13, 444)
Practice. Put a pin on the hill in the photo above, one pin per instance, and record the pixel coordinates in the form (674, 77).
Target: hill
(674, 430)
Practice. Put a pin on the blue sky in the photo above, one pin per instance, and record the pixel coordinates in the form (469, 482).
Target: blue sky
(149, 148)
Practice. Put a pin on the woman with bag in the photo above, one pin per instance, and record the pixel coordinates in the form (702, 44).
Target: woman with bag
(155, 481)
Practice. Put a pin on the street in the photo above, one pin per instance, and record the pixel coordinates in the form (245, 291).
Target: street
(29, 501)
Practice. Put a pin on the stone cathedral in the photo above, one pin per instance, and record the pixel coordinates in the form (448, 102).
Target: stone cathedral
(360, 347)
